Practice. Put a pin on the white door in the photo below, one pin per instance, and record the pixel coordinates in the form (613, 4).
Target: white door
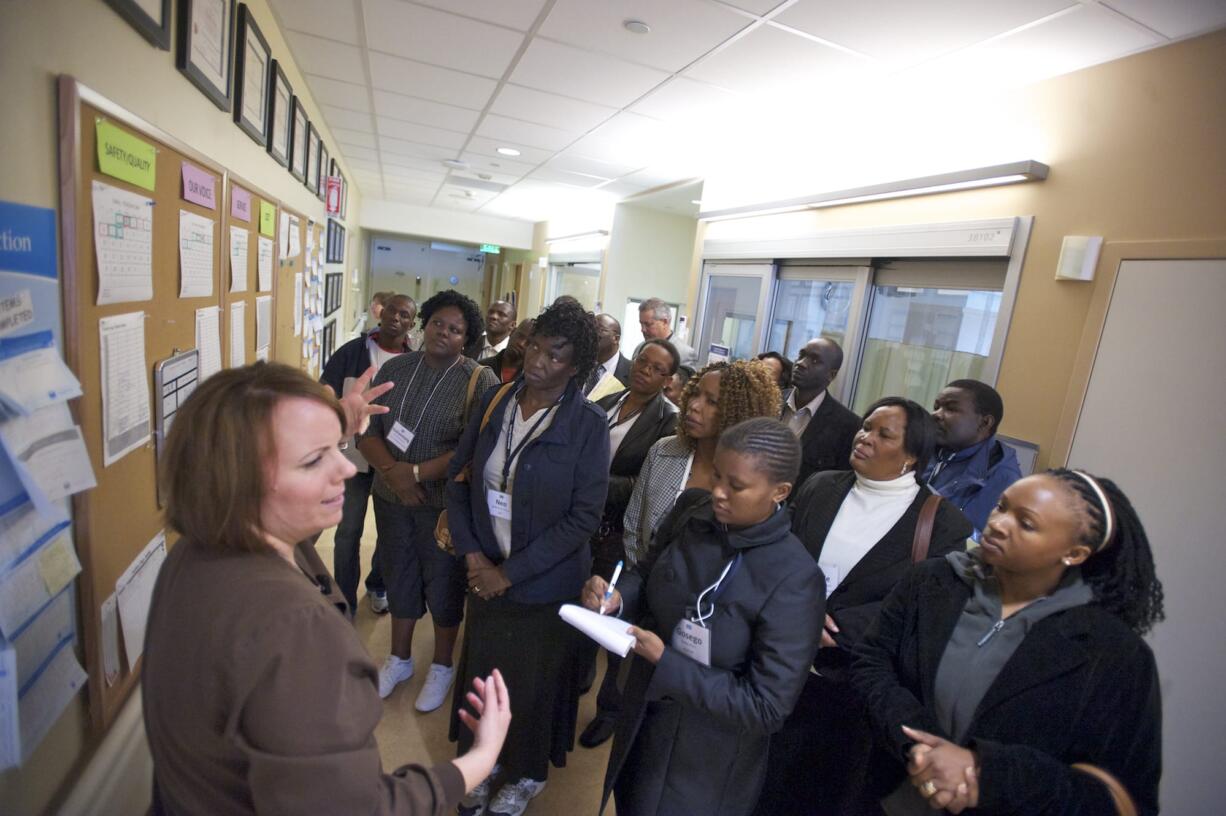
(1152, 421)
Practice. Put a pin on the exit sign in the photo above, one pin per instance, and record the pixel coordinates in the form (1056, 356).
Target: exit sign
(491, 249)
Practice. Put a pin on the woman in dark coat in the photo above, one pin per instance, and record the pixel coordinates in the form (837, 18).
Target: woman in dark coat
(859, 525)
(989, 673)
(725, 572)
(522, 520)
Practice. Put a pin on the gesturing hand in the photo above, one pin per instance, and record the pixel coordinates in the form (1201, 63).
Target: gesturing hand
(944, 773)
(359, 403)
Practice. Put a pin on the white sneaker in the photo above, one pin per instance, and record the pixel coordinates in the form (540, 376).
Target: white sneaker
(394, 672)
(475, 801)
(378, 602)
(434, 690)
(512, 799)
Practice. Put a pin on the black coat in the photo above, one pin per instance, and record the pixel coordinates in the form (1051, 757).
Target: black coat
(494, 363)
(828, 438)
(1081, 687)
(856, 600)
(692, 739)
(657, 420)
(622, 371)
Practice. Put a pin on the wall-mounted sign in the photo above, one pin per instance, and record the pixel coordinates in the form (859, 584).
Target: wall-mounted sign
(491, 249)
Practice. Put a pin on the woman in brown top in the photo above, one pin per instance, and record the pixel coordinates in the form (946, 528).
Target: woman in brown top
(258, 695)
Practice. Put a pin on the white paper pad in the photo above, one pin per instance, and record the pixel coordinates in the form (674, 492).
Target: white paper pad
(263, 324)
(125, 385)
(42, 703)
(238, 334)
(49, 453)
(134, 592)
(123, 240)
(264, 263)
(238, 259)
(608, 631)
(208, 341)
(195, 255)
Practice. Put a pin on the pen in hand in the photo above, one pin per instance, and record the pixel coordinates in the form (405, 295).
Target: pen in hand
(608, 593)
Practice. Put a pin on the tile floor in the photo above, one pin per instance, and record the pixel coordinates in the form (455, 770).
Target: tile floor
(404, 735)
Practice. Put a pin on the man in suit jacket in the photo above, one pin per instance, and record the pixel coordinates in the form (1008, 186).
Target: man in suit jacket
(609, 359)
(824, 425)
(508, 362)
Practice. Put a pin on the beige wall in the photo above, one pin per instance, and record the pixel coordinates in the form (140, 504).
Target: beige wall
(650, 254)
(1135, 149)
(40, 39)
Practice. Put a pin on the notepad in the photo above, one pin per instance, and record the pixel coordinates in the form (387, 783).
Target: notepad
(609, 632)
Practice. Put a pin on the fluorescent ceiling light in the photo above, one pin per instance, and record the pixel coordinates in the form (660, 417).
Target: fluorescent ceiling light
(576, 236)
(508, 151)
(1011, 173)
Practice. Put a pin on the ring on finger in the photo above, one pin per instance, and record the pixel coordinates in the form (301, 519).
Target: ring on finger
(929, 789)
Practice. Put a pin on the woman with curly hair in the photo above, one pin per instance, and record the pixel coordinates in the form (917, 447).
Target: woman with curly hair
(409, 449)
(717, 397)
(525, 493)
(989, 673)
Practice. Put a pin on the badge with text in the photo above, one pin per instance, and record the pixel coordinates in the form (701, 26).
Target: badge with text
(693, 640)
(401, 437)
(500, 504)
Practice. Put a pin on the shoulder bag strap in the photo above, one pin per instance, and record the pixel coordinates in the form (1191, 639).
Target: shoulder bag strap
(1124, 806)
(472, 391)
(923, 529)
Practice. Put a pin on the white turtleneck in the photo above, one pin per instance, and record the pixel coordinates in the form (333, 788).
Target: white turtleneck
(866, 515)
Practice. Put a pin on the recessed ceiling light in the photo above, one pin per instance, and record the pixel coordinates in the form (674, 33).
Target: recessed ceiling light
(636, 26)
(508, 151)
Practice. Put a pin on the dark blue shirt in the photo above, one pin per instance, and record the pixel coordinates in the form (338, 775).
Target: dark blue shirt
(973, 478)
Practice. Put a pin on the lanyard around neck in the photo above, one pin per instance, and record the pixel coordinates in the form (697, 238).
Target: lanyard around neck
(413, 379)
(718, 587)
(510, 455)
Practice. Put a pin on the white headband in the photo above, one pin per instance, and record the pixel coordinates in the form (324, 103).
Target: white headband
(1108, 526)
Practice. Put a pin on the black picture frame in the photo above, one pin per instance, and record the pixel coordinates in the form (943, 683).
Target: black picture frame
(328, 343)
(324, 159)
(299, 127)
(335, 249)
(249, 34)
(312, 162)
(279, 88)
(157, 32)
(333, 283)
(199, 75)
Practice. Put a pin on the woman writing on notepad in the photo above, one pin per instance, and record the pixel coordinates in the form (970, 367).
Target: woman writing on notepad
(728, 606)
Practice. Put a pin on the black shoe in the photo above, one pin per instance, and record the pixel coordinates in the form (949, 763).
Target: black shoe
(598, 731)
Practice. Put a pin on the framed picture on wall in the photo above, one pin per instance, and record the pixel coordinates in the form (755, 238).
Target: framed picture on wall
(333, 283)
(344, 195)
(252, 75)
(312, 160)
(322, 189)
(328, 343)
(206, 47)
(298, 141)
(149, 17)
(280, 108)
(335, 250)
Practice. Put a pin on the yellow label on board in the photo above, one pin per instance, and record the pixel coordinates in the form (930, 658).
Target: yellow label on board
(268, 219)
(122, 155)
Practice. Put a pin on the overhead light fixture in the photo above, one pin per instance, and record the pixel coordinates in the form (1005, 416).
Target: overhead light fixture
(576, 236)
(456, 164)
(636, 26)
(992, 176)
(508, 151)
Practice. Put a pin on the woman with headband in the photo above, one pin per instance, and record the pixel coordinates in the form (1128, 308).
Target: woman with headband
(1013, 678)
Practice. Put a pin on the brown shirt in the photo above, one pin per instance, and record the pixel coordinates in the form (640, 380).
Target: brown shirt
(259, 697)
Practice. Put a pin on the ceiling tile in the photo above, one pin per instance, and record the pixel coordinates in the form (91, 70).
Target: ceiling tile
(627, 139)
(430, 81)
(755, 6)
(392, 162)
(652, 177)
(401, 147)
(422, 111)
(1174, 18)
(681, 30)
(916, 31)
(426, 34)
(682, 99)
(367, 153)
(420, 133)
(550, 66)
(347, 119)
(492, 176)
(496, 164)
(356, 138)
(489, 147)
(513, 130)
(778, 63)
(339, 94)
(621, 189)
(549, 109)
(553, 176)
(518, 14)
(314, 55)
(323, 18)
(410, 175)
(577, 163)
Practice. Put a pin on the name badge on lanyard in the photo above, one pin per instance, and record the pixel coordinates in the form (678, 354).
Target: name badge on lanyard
(400, 436)
(499, 504)
(691, 635)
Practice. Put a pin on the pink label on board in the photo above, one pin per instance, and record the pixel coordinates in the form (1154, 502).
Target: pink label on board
(240, 204)
(199, 187)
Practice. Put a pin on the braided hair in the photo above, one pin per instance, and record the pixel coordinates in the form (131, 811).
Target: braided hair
(746, 390)
(1121, 570)
(770, 442)
(570, 320)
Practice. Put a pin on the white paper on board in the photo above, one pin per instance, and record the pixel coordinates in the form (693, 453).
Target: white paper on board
(208, 341)
(10, 728)
(16, 312)
(23, 589)
(295, 238)
(608, 631)
(123, 243)
(238, 334)
(110, 640)
(283, 236)
(297, 303)
(238, 258)
(42, 703)
(125, 385)
(48, 453)
(264, 249)
(22, 527)
(36, 379)
(43, 637)
(134, 593)
(195, 255)
(263, 324)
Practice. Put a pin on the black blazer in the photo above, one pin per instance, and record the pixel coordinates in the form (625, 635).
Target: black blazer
(657, 420)
(856, 600)
(1081, 687)
(494, 363)
(827, 440)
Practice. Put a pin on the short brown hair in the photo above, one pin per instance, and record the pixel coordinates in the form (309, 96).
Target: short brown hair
(217, 450)
(746, 390)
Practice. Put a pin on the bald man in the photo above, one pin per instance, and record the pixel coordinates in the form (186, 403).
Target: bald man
(609, 359)
(824, 425)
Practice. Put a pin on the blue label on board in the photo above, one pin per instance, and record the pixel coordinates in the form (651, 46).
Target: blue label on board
(27, 239)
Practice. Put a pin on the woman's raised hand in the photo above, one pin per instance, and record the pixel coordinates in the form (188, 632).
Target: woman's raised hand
(359, 403)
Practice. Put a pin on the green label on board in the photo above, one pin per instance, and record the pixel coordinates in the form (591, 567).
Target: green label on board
(122, 155)
(268, 219)
(491, 249)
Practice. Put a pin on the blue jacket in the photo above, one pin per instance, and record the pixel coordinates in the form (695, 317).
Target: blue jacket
(973, 478)
(561, 479)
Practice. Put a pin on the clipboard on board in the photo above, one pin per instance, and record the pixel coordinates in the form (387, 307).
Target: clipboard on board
(174, 379)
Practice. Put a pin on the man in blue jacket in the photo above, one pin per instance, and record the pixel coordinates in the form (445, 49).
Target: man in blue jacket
(971, 467)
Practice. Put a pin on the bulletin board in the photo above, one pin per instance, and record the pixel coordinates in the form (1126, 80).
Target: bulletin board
(114, 522)
(251, 291)
(290, 271)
